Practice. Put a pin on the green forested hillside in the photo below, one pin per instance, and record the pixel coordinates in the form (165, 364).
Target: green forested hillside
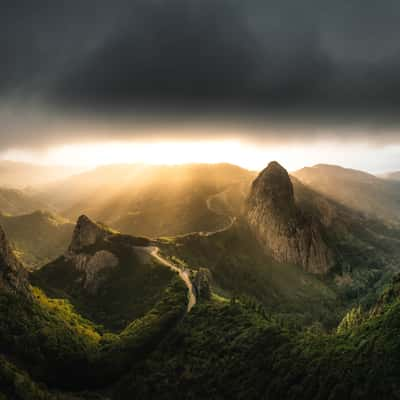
(58, 346)
(239, 266)
(224, 348)
(241, 354)
(111, 295)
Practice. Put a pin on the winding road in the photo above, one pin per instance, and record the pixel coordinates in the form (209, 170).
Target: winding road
(184, 274)
(154, 251)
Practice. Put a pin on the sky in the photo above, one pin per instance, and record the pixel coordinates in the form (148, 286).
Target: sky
(202, 81)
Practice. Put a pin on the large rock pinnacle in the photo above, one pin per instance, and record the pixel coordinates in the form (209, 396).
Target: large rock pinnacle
(280, 226)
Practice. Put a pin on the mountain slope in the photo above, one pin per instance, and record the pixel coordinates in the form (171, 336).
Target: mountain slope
(238, 266)
(38, 237)
(15, 202)
(151, 200)
(104, 276)
(244, 354)
(50, 342)
(373, 196)
(363, 253)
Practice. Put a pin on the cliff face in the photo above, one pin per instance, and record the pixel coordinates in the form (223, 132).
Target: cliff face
(91, 265)
(13, 276)
(86, 233)
(281, 227)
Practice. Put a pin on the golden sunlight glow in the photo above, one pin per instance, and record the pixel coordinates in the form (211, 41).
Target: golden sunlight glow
(245, 154)
(167, 153)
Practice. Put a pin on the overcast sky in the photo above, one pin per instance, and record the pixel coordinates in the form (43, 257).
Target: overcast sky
(277, 71)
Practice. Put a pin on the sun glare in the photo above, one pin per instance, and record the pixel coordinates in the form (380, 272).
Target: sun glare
(173, 152)
(167, 153)
(170, 153)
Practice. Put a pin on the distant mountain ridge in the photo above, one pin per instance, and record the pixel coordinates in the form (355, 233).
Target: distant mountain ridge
(360, 191)
(21, 175)
(37, 237)
(15, 202)
(151, 200)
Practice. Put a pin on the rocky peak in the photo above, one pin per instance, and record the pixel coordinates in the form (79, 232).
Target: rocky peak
(13, 276)
(93, 266)
(272, 190)
(86, 233)
(280, 226)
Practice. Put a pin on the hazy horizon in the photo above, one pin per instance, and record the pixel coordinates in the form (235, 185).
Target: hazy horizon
(189, 81)
(72, 168)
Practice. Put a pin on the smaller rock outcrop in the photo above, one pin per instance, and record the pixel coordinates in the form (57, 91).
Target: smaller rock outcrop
(202, 283)
(86, 233)
(13, 276)
(93, 264)
(281, 227)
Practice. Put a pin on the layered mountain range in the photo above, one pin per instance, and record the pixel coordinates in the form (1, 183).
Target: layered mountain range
(291, 292)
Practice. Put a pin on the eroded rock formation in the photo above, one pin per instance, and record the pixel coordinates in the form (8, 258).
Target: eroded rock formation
(281, 227)
(93, 264)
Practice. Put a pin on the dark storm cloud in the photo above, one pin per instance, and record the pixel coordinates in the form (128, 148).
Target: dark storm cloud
(202, 51)
(284, 59)
(261, 52)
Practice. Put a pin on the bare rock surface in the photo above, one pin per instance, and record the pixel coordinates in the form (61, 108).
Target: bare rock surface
(93, 267)
(281, 227)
